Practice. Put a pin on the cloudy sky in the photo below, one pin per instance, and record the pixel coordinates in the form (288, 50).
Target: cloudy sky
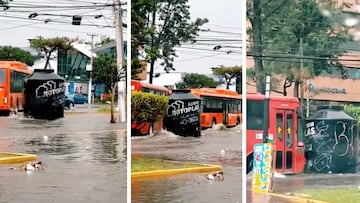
(225, 24)
(16, 27)
(225, 28)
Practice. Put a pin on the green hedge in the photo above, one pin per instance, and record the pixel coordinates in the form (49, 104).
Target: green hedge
(353, 111)
(148, 107)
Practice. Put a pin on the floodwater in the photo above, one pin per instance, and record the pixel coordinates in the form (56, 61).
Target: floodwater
(290, 184)
(84, 159)
(213, 147)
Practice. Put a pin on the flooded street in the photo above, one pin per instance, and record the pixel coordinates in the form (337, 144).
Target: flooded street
(84, 159)
(294, 183)
(220, 147)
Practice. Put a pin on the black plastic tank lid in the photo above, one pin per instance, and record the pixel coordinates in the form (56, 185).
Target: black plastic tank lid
(182, 94)
(43, 70)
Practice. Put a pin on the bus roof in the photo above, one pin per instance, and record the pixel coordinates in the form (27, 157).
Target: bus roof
(16, 65)
(147, 85)
(258, 96)
(213, 92)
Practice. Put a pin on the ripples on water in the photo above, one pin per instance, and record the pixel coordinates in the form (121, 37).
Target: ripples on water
(191, 187)
(84, 159)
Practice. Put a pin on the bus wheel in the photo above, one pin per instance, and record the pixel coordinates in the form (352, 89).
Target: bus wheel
(238, 121)
(249, 163)
(213, 124)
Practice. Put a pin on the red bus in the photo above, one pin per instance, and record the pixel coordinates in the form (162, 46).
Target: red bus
(286, 129)
(147, 128)
(12, 75)
(219, 106)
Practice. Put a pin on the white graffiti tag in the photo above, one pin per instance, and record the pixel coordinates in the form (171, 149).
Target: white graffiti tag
(343, 143)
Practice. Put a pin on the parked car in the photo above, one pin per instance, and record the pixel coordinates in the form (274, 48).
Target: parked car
(68, 102)
(78, 98)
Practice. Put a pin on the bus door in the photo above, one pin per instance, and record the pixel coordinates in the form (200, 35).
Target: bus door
(3, 88)
(285, 140)
(225, 108)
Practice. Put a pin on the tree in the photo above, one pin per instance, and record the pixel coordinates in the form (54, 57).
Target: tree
(300, 34)
(227, 73)
(195, 80)
(17, 54)
(106, 72)
(160, 26)
(5, 4)
(49, 45)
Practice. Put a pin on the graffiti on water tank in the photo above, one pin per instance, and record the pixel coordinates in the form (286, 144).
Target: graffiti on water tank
(343, 143)
(48, 89)
(322, 161)
(326, 147)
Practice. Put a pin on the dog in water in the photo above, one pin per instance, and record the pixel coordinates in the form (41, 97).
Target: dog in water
(32, 166)
(215, 176)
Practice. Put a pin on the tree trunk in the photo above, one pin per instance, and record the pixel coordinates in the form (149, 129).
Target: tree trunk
(257, 47)
(151, 74)
(228, 83)
(152, 61)
(112, 95)
(47, 55)
(296, 88)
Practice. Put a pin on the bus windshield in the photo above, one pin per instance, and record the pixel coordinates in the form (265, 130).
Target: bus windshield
(255, 114)
(2, 75)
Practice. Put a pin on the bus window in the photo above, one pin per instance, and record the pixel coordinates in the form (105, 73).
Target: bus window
(2, 75)
(254, 116)
(289, 127)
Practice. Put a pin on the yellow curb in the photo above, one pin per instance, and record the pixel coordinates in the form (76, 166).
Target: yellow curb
(295, 198)
(17, 158)
(205, 168)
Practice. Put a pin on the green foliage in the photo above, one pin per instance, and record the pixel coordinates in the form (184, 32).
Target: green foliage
(195, 80)
(353, 111)
(227, 73)
(105, 70)
(222, 128)
(5, 4)
(147, 107)
(104, 42)
(49, 45)
(159, 26)
(288, 24)
(17, 54)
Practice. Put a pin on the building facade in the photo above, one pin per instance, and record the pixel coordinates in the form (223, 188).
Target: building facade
(72, 66)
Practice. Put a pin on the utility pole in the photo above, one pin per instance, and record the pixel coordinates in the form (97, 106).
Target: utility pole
(119, 60)
(90, 69)
(301, 72)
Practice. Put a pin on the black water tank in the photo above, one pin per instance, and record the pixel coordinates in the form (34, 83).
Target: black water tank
(44, 95)
(183, 114)
(331, 137)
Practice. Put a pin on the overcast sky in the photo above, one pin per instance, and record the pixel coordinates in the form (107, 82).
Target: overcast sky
(16, 28)
(225, 23)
